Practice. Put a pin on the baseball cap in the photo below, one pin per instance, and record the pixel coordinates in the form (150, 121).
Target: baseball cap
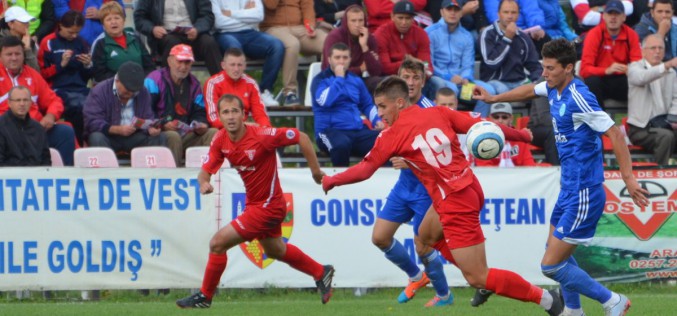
(453, 3)
(182, 52)
(131, 76)
(501, 107)
(404, 7)
(17, 13)
(614, 6)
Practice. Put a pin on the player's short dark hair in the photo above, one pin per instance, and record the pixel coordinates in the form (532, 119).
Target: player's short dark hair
(72, 18)
(445, 91)
(411, 65)
(229, 98)
(672, 5)
(340, 46)
(393, 87)
(500, 5)
(560, 49)
(233, 51)
(10, 41)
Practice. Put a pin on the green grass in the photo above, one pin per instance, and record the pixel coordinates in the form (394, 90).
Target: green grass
(647, 299)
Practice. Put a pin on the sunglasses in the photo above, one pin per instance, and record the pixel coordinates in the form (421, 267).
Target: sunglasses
(500, 117)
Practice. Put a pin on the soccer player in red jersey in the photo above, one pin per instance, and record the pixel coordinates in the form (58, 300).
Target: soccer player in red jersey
(251, 150)
(426, 139)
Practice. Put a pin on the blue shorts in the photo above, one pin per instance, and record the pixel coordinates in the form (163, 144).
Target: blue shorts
(402, 206)
(576, 214)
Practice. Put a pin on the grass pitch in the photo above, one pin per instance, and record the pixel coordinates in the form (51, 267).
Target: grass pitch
(647, 299)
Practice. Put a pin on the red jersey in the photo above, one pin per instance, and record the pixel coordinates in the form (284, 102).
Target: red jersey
(254, 158)
(245, 88)
(426, 139)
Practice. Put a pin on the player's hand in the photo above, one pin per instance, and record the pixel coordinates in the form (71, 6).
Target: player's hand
(481, 94)
(327, 184)
(92, 13)
(318, 176)
(510, 30)
(191, 34)
(364, 38)
(171, 126)
(206, 188)
(527, 132)
(85, 59)
(664, 26)
(200, 129)
(470, 7)
(399, 163)
(159, 32)
(154, 131)
(616, 68)
(123, 130)
(47, 121)
(340, 71)
(66, 57)
(380, 126)
(639, 195)
(225, 12)
(538, 34)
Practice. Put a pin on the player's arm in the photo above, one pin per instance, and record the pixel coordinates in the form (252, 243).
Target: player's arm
(639, 195)
(365, 169)
(521, 93)
(308, 152)
(204, 179)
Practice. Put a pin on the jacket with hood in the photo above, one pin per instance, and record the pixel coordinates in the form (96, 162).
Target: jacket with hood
(161, 88)
(394, 46)
(556, 25)
(505, 59)
(530, 14)
(357, 57)
(648, 26)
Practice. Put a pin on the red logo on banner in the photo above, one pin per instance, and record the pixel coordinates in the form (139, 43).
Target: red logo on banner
(254, 251)
(643, 222)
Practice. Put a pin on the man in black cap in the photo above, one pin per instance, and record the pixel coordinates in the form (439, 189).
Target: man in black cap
(118, 112)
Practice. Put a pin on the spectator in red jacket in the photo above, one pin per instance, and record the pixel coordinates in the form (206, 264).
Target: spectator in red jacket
(608, 49)
(400, 38)
(514, 153)
(233, 80)
(378, 11)
(46, 107)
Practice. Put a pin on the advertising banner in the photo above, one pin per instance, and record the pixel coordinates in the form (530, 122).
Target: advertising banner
(71, 228)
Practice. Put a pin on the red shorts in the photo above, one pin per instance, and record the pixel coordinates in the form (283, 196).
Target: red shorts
(460, 216)
(257, 222)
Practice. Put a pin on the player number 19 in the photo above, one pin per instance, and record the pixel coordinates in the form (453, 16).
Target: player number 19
(435, 147)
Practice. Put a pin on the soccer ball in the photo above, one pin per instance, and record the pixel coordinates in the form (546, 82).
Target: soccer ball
(485, 140)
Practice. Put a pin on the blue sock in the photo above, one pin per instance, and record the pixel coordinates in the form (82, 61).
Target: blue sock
(572, 300)
(398, 255)
(574, 279)
(434, 269)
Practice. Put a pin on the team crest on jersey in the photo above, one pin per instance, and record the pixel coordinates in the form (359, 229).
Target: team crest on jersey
(250, 153)
(253, 250)
(643, 222)
(475, 114)
(291, 134)
(29, 81)
(562, 109)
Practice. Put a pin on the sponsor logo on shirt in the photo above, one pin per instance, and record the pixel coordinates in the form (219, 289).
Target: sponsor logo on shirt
(113, 54)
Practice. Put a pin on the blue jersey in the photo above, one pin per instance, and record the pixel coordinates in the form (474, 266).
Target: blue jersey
(407, 180)
(577, 122)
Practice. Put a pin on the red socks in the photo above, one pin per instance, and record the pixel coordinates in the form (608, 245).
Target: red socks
(512, 285)
(302, 262)
(215, 266)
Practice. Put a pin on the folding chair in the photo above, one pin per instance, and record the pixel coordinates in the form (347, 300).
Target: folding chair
(56, 158)
(95, 157)
(152, 157)
(197, 155)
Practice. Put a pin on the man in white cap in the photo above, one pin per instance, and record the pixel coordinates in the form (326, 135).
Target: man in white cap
(176, 96)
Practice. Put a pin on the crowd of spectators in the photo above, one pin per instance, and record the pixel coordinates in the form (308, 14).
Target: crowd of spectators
(92, 81)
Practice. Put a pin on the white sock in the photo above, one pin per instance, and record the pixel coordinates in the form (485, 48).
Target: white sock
(615, 298)
(417, 277)
(546, 300)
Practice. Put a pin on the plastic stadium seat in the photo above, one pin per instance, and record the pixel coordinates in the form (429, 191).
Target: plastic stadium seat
(152, 157)
(95, 157)
(56, 158)
(197, 155)
(314, 69)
